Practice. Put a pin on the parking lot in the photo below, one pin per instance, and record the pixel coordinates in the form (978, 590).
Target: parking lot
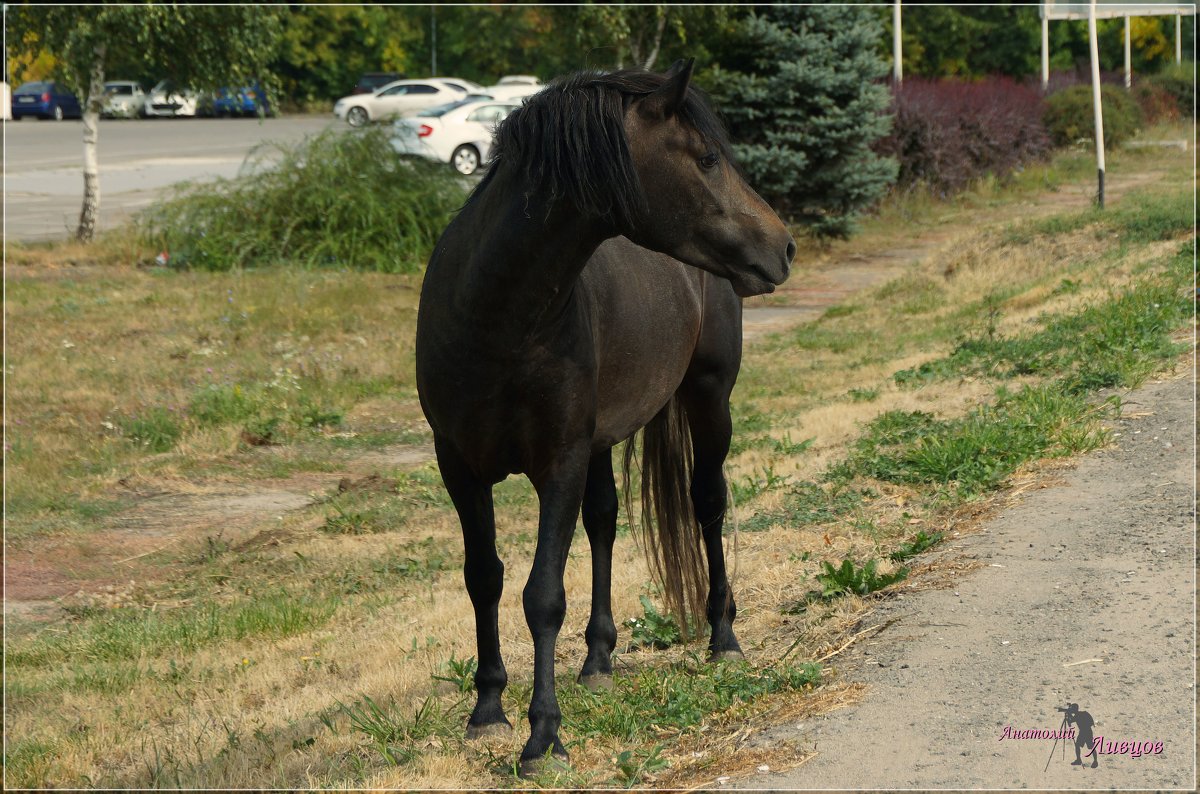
(43, 164)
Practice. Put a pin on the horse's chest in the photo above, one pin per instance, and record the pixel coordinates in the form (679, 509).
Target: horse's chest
(509, 409)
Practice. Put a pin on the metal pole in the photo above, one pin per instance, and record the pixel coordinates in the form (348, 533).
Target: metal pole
(1045, 50)
(1128, 67)
(1098, 113)
(896, 42)
(1178, 38)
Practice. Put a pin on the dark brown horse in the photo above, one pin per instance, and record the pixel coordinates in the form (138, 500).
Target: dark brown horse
(591, 287)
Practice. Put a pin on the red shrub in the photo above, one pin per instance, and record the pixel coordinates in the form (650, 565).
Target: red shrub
(946, 133)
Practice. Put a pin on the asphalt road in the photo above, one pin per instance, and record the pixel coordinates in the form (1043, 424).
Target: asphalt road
(43, 164)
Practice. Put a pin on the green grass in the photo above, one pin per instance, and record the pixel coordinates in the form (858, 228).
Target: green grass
(966, 456)
(676, 697)
(133, 633)
(808, 503)
(1116, 342)
(1143, 217)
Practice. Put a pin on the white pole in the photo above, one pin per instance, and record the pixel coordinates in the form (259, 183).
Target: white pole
(1045, 49)
(1178, 38)
(1098, 113)
(896, 54)
(1128, 67)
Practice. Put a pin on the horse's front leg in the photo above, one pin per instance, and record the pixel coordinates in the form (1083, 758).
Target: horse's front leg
(600, 521)
(483, 572)
(560, 491)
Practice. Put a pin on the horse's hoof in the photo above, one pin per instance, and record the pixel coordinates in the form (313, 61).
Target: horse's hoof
(727, 656)
(553, 763)
(491, 730)
(597, 682)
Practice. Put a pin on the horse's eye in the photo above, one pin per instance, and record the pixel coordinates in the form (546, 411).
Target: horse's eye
(709, 161)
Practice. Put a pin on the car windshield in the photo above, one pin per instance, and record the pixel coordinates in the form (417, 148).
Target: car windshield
(441, 110)
(30, 88)
(118, 88)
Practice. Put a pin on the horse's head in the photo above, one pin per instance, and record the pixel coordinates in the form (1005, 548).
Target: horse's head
(645, 156)
(696, 206)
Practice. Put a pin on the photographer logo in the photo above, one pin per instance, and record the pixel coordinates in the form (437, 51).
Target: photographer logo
(1077, 728)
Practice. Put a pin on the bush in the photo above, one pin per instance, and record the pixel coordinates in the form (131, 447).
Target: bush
(799, 89)
(339, 199)
(1069, 116)
(1179, 81)
(1156, 102)
(947, 133)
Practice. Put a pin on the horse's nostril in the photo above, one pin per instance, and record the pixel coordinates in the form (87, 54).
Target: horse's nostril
(791, 251)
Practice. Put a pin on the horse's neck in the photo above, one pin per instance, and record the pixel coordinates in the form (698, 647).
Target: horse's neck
(524, 258)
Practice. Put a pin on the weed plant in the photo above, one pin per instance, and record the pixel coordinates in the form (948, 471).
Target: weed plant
(338, 200)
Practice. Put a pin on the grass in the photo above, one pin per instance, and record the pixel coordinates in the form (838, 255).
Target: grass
(333, 645)
(335, 200)
(969, 455)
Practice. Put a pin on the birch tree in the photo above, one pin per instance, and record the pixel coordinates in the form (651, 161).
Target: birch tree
(202, 47)
(636, 34)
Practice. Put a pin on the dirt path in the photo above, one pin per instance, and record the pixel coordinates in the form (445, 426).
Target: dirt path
(1086, 595)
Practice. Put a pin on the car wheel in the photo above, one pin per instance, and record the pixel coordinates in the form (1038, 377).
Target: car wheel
(58, 113)
(357, 117)
(465, 159)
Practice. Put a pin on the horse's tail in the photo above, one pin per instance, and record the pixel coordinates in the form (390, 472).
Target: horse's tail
(670, 535)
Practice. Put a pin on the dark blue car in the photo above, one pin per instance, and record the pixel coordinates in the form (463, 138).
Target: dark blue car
(46, 100)
(244, 101)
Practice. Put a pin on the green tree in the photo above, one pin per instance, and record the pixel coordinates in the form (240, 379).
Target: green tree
(325, 48)
(801, 93)
(645, 36)
(199, 46)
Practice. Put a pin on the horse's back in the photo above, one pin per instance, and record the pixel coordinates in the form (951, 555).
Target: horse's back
(651, 316)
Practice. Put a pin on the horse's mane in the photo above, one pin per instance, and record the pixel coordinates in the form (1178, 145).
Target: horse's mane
(568, 142)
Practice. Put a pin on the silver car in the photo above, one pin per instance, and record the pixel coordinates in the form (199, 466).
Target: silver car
(123, 99)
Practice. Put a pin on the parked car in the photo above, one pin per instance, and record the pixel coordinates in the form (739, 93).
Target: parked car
(459, 133)
(123, 99)
(401, 98)
(46, 100)
(245, 101)
(168, 99)
(512, 91)
(371, 82)
(466, 86)
(519, 79)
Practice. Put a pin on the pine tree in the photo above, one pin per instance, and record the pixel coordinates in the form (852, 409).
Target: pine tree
(802, 97)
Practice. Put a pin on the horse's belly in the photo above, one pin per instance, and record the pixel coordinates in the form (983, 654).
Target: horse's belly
(646, 311)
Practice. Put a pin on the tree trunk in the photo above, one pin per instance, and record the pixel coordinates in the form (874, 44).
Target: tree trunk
(658, 37)
(91, 134)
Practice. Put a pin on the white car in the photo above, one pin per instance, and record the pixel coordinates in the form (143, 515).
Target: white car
(512, 91)
(167, 99)
(397, 99)
(466, 86)
(459, 133)
(123, 99)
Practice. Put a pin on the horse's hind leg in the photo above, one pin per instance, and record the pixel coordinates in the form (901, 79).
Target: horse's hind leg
(706, 399)
(484, 575)
(600, 521)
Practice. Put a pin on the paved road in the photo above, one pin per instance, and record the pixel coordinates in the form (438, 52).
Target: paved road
(43, 182)
(1086, 596)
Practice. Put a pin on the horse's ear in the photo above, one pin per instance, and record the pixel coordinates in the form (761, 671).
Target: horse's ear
(669, 97)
